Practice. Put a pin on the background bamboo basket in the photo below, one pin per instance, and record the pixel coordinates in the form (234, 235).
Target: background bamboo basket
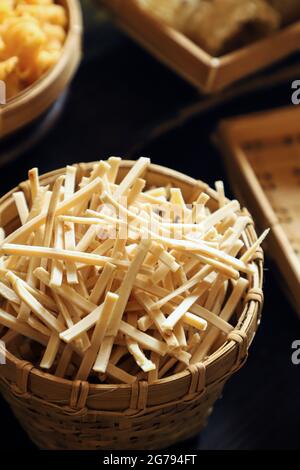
(61, 414)
(262, 154)
(207, 73)
(37, 98)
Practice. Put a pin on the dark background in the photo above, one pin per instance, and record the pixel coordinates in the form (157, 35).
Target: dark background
(123, 102)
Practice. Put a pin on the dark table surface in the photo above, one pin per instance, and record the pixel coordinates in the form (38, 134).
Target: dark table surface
(123, 102)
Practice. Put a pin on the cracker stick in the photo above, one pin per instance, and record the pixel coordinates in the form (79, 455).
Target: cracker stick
(185, 305)
(158, 318)
(51, 349)
(69, 231)
(147, 341)
(126, 286)
(39, 310)
(22, 207)
(183, 288)
(101, 283)
(124, 293)
(65, 255)
(90, 357)
(135, 172)
(33, 176)
(11, 322)
(180, 334)
(114, 163)
(57, 265)
(142, 361)
(225, 315)
(49, 223)
(21, 233)
(64, 361)
(251, 251)
(219, 185)
(135, 191)
(9, 294)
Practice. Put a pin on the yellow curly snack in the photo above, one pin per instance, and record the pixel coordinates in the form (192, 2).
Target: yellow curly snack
(32, 34)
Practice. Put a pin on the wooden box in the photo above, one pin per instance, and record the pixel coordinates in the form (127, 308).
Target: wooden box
(209, 74)
(262, 155)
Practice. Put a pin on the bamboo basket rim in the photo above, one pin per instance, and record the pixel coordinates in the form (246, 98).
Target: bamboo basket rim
(75, 28)
(251, 307)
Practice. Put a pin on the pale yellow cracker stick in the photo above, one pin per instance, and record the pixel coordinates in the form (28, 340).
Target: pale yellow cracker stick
(114, 163)
(104, 354)
(135, 172)
(22, 233)
(101, 283)
(147, 341)
(124, 293)
(65, 255)
(184, 287)
(180, 335)
(69, 231)
(33, 176)
(51, 349)
(9, 294)
(135, 191)
(155, 359)
(157, 317)
(90, 357)
(82, 342)
(64, 361)
(219, 185)
(66, 292)
(49, 223)
(11, 322)
(225, 315)
(39, 310)
(133, 347)
(57, 265)
(246, 258)
(21, 205)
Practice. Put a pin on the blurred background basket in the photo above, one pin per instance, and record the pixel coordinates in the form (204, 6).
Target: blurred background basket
(261, 152)
(36, 99)
(207, 73)
(61, 414)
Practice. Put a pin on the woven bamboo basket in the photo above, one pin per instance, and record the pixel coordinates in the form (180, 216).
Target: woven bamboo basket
(36, 99)
(262, 154)
(207, 73)
(61, 414)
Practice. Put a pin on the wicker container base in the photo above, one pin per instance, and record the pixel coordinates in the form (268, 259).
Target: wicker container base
(51, 427)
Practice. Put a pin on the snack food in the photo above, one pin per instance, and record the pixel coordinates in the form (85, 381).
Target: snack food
(32, 34)
(221, 26)
(119, 283)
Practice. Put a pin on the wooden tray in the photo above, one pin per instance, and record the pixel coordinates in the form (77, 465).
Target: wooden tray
(209, 74)
(262, 154)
